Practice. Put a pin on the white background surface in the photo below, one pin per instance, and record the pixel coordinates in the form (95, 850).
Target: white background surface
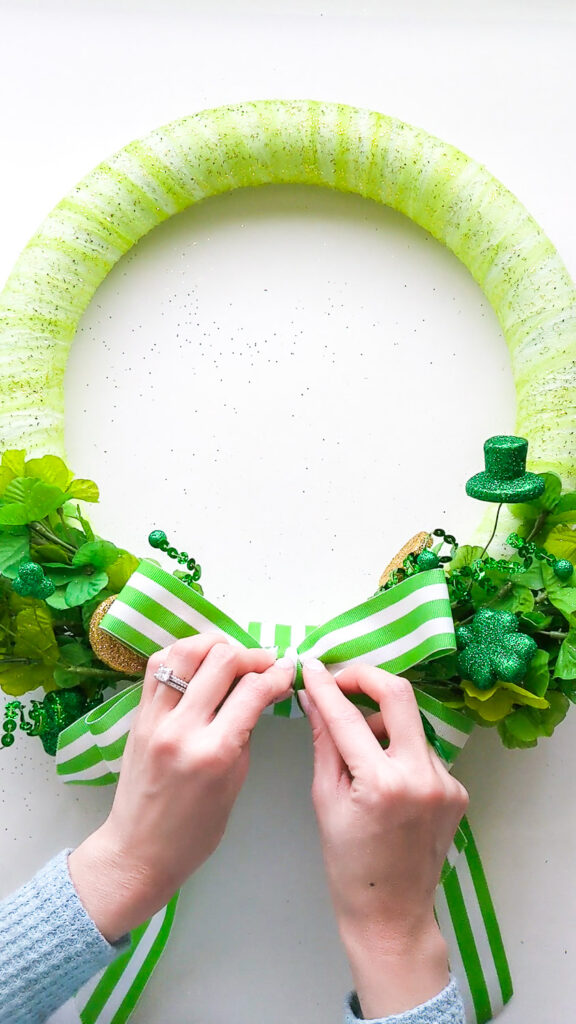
(313, 378)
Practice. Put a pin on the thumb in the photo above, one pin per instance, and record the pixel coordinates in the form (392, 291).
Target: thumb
(328, 764)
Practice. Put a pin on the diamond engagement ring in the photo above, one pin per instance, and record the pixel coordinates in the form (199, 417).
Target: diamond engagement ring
(165, 675)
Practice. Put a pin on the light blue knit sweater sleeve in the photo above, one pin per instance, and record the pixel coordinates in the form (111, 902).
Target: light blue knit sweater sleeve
(49, 946)
(445, 1008)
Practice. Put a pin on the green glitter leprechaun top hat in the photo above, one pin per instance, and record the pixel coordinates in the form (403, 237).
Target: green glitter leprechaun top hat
(505, 477)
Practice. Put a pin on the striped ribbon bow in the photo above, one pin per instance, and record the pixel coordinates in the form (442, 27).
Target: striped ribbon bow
(395, 630)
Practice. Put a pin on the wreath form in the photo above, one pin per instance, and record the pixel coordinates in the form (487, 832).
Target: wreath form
(272, 142)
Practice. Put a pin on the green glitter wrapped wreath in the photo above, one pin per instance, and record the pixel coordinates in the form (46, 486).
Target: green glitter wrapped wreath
(271, 142)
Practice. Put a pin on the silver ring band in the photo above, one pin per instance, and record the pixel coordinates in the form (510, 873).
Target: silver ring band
(165, 675)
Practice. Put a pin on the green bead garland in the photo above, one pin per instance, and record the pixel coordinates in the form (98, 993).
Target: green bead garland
(158, 539)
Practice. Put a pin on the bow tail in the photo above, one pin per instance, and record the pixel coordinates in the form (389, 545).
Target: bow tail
(467, 920)
(464, 907)
(111, 995)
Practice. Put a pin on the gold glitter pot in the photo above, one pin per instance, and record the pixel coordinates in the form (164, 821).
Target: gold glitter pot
(108, 648)
(414, 546)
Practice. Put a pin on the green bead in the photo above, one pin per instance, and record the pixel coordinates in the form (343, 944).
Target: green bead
(9, 726)
(172, 552)
(563, 569)
(427, 560)
(7, 740)
(514, 540)
(156, 538)
(183, 557)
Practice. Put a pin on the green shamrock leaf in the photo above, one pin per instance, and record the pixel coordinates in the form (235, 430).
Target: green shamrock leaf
(538, 510)
(525, 726)
(35, 635)
(51, 469)
(83, 588)
(26, 500)
(492, 648)
(85, 490)
(14, 548)
(120, 571)
(561, 542)
(537, 678)
(560, 594)
(99, 553)
(465, 556)
(565, 667)
(12, 465)
(19, 679)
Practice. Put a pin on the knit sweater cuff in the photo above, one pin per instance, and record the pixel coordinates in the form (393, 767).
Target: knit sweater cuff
(49, 944)
(445, 1008)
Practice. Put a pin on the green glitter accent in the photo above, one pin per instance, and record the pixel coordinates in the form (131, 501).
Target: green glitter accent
(31, 581)
(492, 648)
(49, 717)
(427, 560)
(505, 477)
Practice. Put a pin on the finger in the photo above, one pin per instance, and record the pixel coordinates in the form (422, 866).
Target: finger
(216, 675)
(244, 705)
(400, 712)
(376, 724)
(183, 657)
(356, 743)
(329, 767)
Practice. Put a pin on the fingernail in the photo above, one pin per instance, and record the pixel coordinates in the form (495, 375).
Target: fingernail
(304, 702)
(272, 650)
(313, 664)
(284, 696)
(285, 662)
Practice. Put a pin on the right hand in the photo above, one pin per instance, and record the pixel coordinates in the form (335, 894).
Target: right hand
(185, 761)
(387, 819)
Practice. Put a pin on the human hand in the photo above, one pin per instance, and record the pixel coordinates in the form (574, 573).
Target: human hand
(387, 819)
(185, 761)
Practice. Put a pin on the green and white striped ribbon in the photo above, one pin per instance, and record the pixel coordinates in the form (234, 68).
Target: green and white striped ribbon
(394, 630)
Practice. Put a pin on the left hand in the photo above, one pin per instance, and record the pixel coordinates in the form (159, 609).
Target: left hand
(185, 762)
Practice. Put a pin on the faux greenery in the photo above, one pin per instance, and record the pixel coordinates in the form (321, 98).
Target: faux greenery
(48, 547)
(528, 583)
(516, 664)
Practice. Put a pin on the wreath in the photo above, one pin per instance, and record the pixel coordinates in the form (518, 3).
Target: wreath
(487, 636)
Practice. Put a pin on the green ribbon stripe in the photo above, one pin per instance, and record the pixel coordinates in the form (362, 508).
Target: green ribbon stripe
(154, 609)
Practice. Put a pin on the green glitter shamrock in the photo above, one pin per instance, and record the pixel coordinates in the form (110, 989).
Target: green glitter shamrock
(492, 648)
(31, 581)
